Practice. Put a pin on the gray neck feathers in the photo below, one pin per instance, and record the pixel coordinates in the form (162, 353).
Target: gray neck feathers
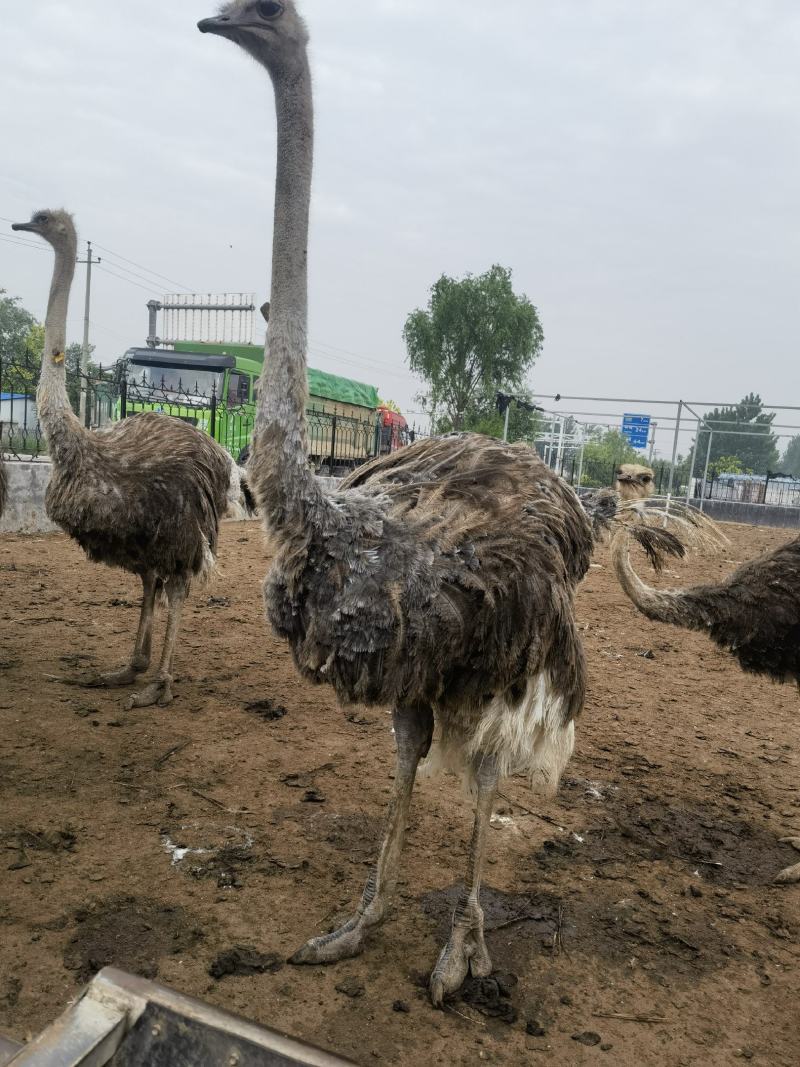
(285, 486)
(52, 402)
(654, 603)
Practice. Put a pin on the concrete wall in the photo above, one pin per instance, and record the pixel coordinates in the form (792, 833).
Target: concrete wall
(27, 483)
(25, 503)
(751, 514)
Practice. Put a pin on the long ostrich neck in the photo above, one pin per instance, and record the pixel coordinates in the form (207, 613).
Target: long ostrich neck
(285, 486)
(662, 606)
(52, 402)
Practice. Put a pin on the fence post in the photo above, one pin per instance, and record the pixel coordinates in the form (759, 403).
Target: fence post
(214, 411)
(333, 446)
(123, 398)
(705, 472)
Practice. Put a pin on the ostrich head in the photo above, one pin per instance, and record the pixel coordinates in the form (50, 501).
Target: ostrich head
(56, 227)
(270, 30)
(634, 482)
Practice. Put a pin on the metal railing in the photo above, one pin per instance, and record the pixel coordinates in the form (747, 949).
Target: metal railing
(337, 441)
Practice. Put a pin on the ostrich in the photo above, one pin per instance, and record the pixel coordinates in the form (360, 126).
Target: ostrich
(754, 613)
(440, 582)
(145, 495)
(634, 482)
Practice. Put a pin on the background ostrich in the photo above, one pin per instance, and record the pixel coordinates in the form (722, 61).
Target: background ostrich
(634, 482)
(145, 495)
(754, 614)
(440, 582)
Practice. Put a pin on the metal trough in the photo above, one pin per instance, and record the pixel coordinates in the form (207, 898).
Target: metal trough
(124, 1021)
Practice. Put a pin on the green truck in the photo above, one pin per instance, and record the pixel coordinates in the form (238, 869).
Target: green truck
(214, 387)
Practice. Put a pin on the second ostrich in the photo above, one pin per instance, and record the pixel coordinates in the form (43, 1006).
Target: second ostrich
(754, 614)
(634, 482)
(146, 495)
(440, 584)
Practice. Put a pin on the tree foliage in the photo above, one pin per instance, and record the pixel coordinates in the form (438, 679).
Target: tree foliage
(790, 464)
(753, 443)
(15, 326)
(475, 337)
(21, 349)
(725, 465)
(604, 453)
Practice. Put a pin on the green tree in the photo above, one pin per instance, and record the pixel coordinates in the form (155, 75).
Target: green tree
(790, 464)
(753, 443)
(15, 325)
(482, 416)
(604, 453)
(725, 465)
(476, 336)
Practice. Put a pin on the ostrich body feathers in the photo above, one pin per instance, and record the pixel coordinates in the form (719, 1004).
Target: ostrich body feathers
(145, 495)
(443, 576)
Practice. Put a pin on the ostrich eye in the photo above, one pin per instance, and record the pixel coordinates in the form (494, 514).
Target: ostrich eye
(269, 9)
(40, 219)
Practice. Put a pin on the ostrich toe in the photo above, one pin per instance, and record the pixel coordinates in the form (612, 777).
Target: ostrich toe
(465, 953)
(157, 692)
(126, 675)
(343, 944)
(792, 874)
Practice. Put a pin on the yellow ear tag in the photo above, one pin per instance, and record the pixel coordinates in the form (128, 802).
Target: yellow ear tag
(58, 357)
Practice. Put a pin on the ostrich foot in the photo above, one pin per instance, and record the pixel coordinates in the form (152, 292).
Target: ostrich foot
(349, 940)
(343, 944)
(792, 874)
(465, 953)
(126, 675)
(157, 692)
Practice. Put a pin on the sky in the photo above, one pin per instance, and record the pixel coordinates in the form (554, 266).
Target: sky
(635, 162)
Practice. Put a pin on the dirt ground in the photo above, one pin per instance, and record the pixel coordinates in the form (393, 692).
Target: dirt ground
(632, 919)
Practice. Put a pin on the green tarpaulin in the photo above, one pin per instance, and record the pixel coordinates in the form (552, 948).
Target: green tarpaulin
(320, 384)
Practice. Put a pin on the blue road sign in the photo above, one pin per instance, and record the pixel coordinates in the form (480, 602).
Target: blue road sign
(637, 429)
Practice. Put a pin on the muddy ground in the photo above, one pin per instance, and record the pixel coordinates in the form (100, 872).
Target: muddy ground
(632, 920)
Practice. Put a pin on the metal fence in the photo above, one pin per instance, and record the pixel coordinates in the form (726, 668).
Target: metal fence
(337, 442)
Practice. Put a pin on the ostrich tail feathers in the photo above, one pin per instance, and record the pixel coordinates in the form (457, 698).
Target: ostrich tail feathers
(694, 529)
(658, 544)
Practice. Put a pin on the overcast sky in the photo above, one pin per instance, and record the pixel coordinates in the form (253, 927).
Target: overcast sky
(636, 162)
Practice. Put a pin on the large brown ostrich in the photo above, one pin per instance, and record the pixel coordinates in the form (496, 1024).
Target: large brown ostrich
(146, 495)
(439, 583)
(754, 614)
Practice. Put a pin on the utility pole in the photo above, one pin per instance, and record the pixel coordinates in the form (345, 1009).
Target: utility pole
(85, 348)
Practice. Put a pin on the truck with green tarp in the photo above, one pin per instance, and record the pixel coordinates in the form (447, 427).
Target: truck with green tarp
(214, 387)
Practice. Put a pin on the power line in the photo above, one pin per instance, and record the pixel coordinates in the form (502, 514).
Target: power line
(122, 278)
(25, 244)
(133, 263)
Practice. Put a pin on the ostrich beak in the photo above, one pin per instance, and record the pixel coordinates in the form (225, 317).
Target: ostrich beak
(213, 25)
(23, 226)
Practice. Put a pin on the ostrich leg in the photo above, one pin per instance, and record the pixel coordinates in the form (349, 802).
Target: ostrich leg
(159, 691)
(791, 874)
(413, 731)
(466, 949)
(140, 660)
